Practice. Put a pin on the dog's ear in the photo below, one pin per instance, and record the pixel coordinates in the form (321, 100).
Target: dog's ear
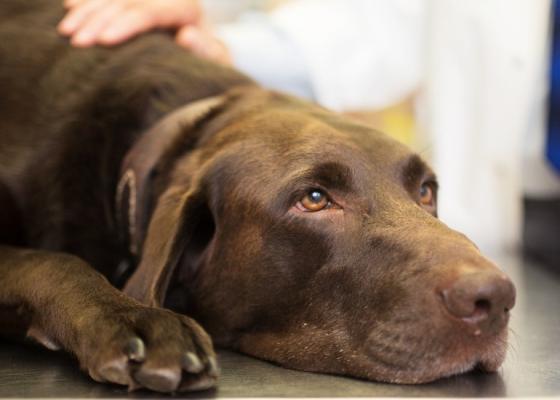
(171, 228)
(140, 167)
(160, 244)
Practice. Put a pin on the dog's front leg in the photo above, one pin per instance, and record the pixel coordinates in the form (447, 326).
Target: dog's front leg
(115, 338)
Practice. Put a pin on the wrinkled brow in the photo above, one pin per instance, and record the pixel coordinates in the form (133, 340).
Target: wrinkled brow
(330, 175)
(415, 169)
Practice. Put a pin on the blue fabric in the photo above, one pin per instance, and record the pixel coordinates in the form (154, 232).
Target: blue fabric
(553, 138)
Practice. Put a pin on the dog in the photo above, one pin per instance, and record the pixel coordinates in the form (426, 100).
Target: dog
(150, 200)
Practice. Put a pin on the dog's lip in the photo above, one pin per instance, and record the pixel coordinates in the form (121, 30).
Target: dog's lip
(432, 371)
(485, 354)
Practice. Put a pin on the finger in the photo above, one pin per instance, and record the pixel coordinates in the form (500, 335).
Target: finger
(176, 13)
(217, 52)
(128, 25)
(78, 15)
(72, 3)
(204, 44)
(89, 32)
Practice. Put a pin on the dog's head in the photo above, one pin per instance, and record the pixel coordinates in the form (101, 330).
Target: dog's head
(298, 236)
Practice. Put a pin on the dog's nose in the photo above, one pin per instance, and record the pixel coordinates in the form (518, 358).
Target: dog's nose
(481, 299)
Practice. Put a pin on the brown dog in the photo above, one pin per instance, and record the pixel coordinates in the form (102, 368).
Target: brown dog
(287, 231)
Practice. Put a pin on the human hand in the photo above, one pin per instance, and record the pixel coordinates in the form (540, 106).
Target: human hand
(110, 22)
(202, 41)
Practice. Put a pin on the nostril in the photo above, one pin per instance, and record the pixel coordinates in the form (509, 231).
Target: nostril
(482, 306)
(481, 310)
(468, 303)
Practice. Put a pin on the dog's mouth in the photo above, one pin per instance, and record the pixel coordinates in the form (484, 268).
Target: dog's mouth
(386, 357)
(423, 364)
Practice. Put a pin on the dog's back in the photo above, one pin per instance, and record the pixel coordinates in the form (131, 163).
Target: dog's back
(44, 79)
(68, 116)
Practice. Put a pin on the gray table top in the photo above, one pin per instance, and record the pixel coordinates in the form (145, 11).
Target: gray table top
(532, 367)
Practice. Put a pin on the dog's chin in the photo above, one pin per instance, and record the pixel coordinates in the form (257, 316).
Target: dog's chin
(437, 371)
(413, 365)
(485, 355)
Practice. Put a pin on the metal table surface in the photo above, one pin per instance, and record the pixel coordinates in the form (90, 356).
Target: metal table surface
(532, 367)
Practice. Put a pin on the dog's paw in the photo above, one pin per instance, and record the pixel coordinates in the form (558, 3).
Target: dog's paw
(149, 348)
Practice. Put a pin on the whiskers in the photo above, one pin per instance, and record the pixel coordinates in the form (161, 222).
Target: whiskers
(511, 346)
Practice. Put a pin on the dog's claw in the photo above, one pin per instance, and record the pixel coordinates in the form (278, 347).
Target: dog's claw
(136, 350)
(161, 379)
(191, 363)
(213, 368)
(154, 349)
(116, 372)
(132, 386)
(203, 383)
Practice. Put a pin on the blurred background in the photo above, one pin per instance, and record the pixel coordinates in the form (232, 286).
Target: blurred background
(467, 84)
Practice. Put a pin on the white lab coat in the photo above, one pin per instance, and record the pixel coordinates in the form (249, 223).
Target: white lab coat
(485, 98)
(345, 54)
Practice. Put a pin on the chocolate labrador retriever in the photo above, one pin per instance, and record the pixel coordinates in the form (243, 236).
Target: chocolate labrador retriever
(287, 231)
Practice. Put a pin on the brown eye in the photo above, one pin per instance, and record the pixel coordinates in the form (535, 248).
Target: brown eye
(315, 200)
(426, 195)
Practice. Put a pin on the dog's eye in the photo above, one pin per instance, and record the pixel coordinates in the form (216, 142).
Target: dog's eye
(314, 200)
(426, 195)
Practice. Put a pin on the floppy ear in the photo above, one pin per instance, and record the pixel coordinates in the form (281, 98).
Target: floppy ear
(171, 228)
(140, 166)
(174, 218)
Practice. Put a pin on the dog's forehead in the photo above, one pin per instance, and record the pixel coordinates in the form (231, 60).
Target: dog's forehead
(301, 134)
